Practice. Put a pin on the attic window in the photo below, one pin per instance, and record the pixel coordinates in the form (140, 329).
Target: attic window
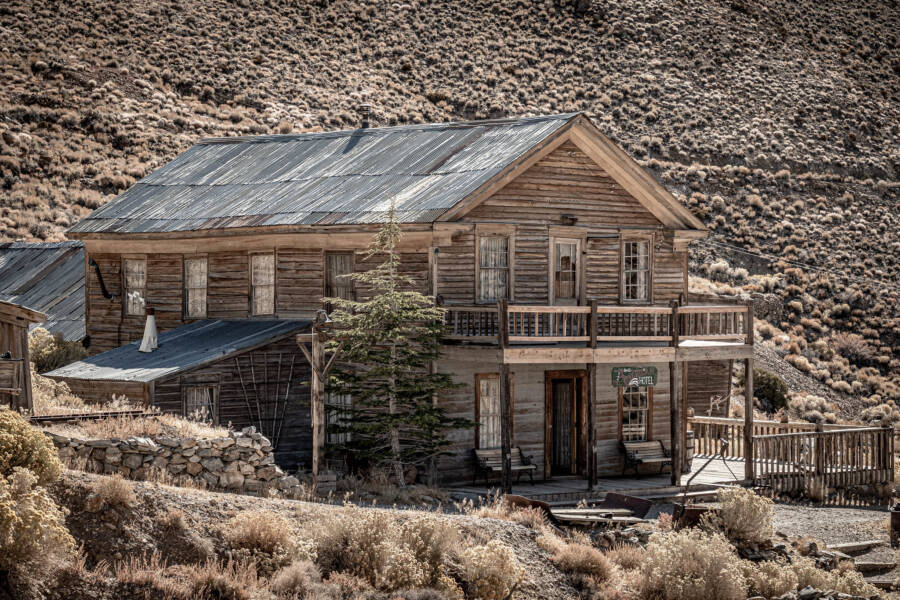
(262, 284)
(135, 286)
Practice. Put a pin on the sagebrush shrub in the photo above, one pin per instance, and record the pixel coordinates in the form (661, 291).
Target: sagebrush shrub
(691, 564)
(771, 390)
(843, 581)
(32, 527)
(22, 445)
(266, 538)
(49, 351)
(296, 580)
(114, 490)
(627, 556)
(492, 571)
(583, 560)
(745, 516)
(769, 578)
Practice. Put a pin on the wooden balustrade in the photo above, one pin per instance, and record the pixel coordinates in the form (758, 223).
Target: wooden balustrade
(793, 462)
(547, 324)
(708, 431)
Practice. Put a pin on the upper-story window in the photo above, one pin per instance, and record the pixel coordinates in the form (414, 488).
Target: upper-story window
(135, 286)
(565, 271)
(195, 278)
(338, 266)
(262, 284)
(493, 268)
(636, 270)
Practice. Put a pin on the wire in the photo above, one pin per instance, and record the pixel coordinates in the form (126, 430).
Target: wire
(772, 257)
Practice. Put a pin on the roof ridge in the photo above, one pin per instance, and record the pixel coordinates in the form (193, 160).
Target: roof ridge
(289, 137)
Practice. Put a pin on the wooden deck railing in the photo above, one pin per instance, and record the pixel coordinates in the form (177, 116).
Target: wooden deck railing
(790, 462)
(709, 430)
(547, 324)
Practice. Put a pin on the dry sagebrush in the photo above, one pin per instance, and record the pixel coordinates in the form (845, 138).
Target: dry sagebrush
(744, 516)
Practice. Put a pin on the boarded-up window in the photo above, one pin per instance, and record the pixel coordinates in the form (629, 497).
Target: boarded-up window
(135, 286)
(195, 278)
(262, 283)
(636, 404)
(337, 414)
(565, 271)
(338, 265)
(493, 268)
(636, 270)
(200, 402)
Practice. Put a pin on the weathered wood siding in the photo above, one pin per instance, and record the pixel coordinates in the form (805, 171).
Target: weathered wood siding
(704, 380)
(529, 411)
(267, 384)
(299, 280)
(456, 269)
(101, 392)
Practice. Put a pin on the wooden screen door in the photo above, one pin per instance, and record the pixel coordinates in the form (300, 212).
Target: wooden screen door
(565, 437)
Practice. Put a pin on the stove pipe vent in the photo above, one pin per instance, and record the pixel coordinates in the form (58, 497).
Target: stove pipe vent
(148, 344)
(365, 111)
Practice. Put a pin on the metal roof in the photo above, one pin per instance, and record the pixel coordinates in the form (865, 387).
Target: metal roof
(47, 277)
(179, 349)
(341, 177)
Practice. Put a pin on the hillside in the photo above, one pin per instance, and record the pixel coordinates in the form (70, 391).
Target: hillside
(776, 121)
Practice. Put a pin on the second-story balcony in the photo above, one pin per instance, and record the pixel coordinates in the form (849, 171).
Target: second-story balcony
(686, 332)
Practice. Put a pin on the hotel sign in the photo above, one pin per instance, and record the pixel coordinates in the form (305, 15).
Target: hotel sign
(634, 376)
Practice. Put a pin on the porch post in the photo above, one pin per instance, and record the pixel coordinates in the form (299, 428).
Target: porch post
(505, 402)
(317, 395)
(748, 419)
(676, 421)
(591, 400)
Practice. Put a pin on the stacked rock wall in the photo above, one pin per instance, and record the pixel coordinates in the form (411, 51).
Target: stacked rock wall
(240, 461)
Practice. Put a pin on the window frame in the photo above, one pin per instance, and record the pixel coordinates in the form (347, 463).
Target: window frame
(347, 436)
(187, 384)
(483, 230)
(579, 267)
(512, 407)
(325, 291)
(184, 288)
(274, 284)
(643, 238)
(621, 411)
(126, 258)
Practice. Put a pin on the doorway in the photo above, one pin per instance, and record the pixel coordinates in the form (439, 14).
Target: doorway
(565, 416)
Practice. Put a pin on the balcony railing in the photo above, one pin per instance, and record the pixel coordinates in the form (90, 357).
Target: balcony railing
(550, 324)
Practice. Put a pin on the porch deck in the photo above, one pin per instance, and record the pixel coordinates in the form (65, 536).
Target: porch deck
(572, 489)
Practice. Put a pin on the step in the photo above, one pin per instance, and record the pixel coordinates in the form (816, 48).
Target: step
(882, 583)
(871, 566)
(855, 547)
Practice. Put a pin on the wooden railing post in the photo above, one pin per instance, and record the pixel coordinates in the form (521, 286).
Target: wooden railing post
(820, 449)
(748, 419)
(592, 399)
(592, 325)
(749, 336)
(676, 326)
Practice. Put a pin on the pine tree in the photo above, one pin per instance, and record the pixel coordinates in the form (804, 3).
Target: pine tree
(387, 343)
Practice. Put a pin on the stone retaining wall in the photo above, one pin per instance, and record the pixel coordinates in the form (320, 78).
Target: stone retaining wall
(242, 461)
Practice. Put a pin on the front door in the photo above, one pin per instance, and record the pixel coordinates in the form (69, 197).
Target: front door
(566, 431)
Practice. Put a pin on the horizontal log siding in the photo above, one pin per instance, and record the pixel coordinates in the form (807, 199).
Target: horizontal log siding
(228, 288)
(413, 265)
(565, 181)
(165, 291)
(456, 269)
(669, 270)
(532, 264)
(528, 412)
(299, 281)
(103, 316)
(101, 392)
(601, 270)
(706, 379)
(295, 444)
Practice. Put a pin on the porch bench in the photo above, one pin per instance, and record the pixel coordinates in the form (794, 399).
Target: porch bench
(644, 453)
(490, 460)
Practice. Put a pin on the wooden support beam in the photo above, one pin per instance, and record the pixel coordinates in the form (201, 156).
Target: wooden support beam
(505, 402)
(748, 420)
(592, 434)
(316, 357)
(676, 420)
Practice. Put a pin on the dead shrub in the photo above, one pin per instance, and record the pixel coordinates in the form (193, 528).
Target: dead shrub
(296, 580)
(626, 556)
(114, 491)
(583, 560)
(691, 564)
(744, 516)
(769, 578)
(843, 581)
(233, 580)
(491, 571)
(266, 538)
(50, 351)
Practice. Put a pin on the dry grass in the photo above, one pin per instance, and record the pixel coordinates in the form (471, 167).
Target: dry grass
(152, 426)
(626, 556)
(115, 491)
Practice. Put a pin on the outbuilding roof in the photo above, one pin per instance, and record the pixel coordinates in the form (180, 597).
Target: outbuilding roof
(330, 178)
(47, 277)
(180, 349)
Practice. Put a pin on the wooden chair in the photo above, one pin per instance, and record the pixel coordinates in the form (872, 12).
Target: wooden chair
(490, 460)
(643, 453)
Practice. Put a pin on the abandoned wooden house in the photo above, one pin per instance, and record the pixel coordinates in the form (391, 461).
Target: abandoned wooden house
(15, 374)
(562, 264)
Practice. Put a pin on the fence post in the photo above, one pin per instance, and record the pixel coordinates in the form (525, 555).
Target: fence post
(748, 420)
(819, 438)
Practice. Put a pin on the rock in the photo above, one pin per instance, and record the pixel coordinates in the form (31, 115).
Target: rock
(143, 444)
(248, 430)
(222, 443)
(268, 473)
(809, 593)
(100, 443)
(133, 461)
(244, 442)
(169, 442)
(286, 483)
(93, 503)
(247, 469)
(211, 479)
(252, 485)
(176, 469)
(193, 468)
(212, 464)
(231, 480)
(188, 443)
(159, 462)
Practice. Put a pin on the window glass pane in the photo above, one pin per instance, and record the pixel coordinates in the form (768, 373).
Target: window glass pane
(336, 413)
(262, 281)
(489, 412)
(199, 402)
(195, 278)
(494, 268)
(135, 286)
(635, 413)
(636, 270)
(566, 270)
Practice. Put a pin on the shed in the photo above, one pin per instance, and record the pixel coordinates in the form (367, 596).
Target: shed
(48, 277)
(238, 373)
(15, 371)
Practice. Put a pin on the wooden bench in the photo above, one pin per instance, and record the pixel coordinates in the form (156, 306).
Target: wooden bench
(646, 453)
(490, 460)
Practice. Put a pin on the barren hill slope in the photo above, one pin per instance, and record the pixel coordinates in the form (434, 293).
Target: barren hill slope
(777, 121)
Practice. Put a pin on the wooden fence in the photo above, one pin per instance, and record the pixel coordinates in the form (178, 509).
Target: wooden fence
(708, 431)
(792, 462)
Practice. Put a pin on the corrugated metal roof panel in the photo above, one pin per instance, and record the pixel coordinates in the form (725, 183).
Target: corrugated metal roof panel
(49, 278)
(179, 349)
(342, 177)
